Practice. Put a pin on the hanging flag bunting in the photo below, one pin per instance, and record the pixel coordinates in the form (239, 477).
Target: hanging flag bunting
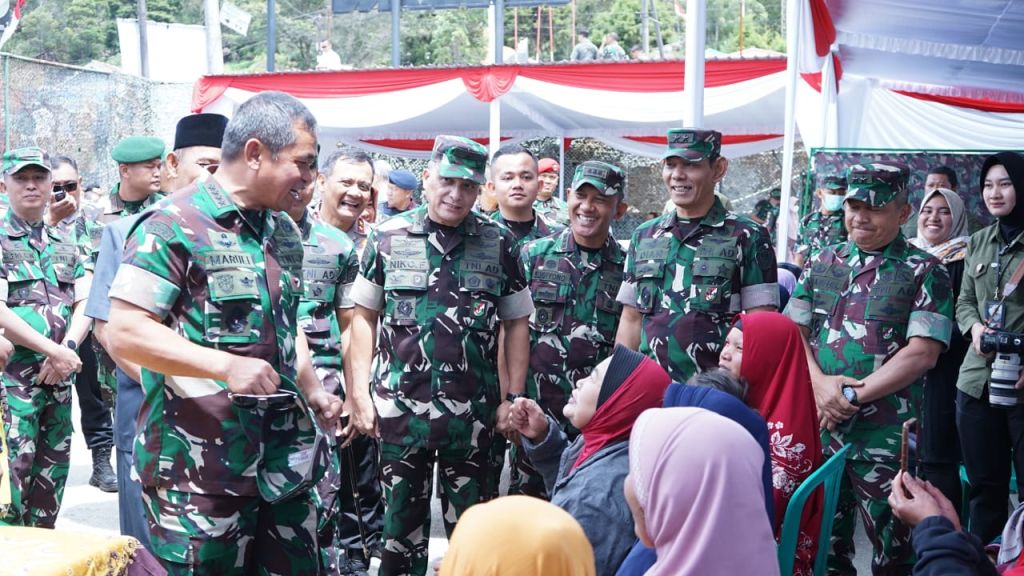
(9, 16)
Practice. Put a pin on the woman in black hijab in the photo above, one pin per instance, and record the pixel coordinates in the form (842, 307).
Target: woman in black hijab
(990, 408)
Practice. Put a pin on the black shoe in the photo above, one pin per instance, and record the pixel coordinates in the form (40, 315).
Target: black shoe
(353, 563)
(103, 476)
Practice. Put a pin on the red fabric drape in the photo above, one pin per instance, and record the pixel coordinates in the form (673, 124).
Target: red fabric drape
(982, 104)
(487, 82)
(824, 29)
(775, 366)
(814, 79)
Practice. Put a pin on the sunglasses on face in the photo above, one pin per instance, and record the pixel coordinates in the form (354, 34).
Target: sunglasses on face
(210, 167)
(66, 187)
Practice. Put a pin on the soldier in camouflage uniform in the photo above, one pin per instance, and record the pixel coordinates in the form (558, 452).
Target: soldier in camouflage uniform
(42, 281)
(329, 266)
(343, 174)
(574, 277)
(876, 312)
(548, 204)
(440, 278)
(206, 303)
(825, 226)
(514, 184)
(766, 211)
(690, 271)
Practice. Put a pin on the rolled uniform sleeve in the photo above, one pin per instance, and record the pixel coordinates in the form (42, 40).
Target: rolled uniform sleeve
(799, 309)
(627, 290)
(759, 272)
(516, 300)
(932, 315)
(154, 266)
(368, 287)
(349, 273)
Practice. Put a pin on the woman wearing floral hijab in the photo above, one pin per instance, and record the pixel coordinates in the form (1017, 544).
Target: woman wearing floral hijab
(767, 350)
(942, 232)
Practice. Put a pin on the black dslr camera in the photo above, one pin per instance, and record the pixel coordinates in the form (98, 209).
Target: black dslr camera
(1008, 346)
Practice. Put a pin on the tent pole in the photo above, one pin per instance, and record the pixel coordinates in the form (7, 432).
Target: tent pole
(495, 127)
(561, 167)
(693, 77)
(792, 64)
(396, 27)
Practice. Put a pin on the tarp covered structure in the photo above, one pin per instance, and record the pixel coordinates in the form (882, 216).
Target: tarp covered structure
(629, 105)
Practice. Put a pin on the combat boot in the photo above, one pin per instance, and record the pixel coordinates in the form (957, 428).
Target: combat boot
(103, 476)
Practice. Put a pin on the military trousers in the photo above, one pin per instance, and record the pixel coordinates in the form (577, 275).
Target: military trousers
(345, 524)
(865, 488)
(38, 424)
(992, 439)
(222, 535)
(95, 404)
(407, 474)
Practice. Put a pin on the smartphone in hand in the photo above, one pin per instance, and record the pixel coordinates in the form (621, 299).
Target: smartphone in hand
(908, 447)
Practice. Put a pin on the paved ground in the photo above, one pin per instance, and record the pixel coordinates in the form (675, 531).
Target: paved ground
(86, 508)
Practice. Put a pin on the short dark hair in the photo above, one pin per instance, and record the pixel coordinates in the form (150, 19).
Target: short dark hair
(513, 150)
(269, 117)
(583, 32)
(60, 160)
(948, 172)
(349, 156)
(724, 380)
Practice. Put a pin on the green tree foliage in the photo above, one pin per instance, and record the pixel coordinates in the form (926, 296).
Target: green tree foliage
(78, 31)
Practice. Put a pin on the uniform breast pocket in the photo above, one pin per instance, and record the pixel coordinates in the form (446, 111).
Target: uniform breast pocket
(649, 277)
(478, 311)
(712, 282)
(233, 311)
(549, 307)
(886, 318)
(25, 285)
(401, 307)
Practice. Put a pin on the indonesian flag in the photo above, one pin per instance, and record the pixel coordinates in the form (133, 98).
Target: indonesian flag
(9, 16)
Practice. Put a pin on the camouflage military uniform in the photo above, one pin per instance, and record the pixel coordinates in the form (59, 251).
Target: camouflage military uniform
(572, 328)
(553, 209)
(41, 279)
(116, 208)
(541, 228)
(689, 278)
(818, 230)
(232, 279)
(861, 308)
(441, 291)
(329, 266)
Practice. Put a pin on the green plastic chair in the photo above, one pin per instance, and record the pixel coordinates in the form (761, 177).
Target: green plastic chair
(829, 476)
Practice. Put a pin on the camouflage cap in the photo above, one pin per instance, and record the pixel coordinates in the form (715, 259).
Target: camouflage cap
(775, 192)
(834, 183)
(458, 157)
(18, 158)
(135, 149)
(876, 184)
(692, 144)
(607, 178)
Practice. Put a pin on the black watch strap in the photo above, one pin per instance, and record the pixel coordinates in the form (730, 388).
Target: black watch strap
(511, 396)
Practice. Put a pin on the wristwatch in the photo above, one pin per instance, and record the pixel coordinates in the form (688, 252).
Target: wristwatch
(850, 393)
(511, 396)
(71, 344)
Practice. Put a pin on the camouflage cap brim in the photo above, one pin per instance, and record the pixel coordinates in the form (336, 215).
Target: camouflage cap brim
(688, 155)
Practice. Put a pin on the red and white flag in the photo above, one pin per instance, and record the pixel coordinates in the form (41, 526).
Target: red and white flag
(9, 16)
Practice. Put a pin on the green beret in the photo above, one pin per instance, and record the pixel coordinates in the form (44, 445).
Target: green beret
(134, 149)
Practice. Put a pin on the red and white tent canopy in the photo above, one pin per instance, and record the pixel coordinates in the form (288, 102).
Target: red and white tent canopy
(629, 105)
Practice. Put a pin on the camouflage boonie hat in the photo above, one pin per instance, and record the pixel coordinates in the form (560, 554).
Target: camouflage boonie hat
(19, 158)
(693, 145)
(607, 178)
(458, 157)
(876, 184)
(834, 183)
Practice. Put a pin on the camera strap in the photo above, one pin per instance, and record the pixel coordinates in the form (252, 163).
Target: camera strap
(1011, 284)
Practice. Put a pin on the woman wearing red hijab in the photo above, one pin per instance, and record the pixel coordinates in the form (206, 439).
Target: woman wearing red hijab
(765, 348)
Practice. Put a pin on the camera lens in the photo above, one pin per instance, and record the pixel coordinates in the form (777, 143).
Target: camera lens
(1002, 389)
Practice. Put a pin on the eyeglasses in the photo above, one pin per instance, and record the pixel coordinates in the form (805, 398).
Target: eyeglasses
(280, 400)
(65, 187)
(210, 167)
